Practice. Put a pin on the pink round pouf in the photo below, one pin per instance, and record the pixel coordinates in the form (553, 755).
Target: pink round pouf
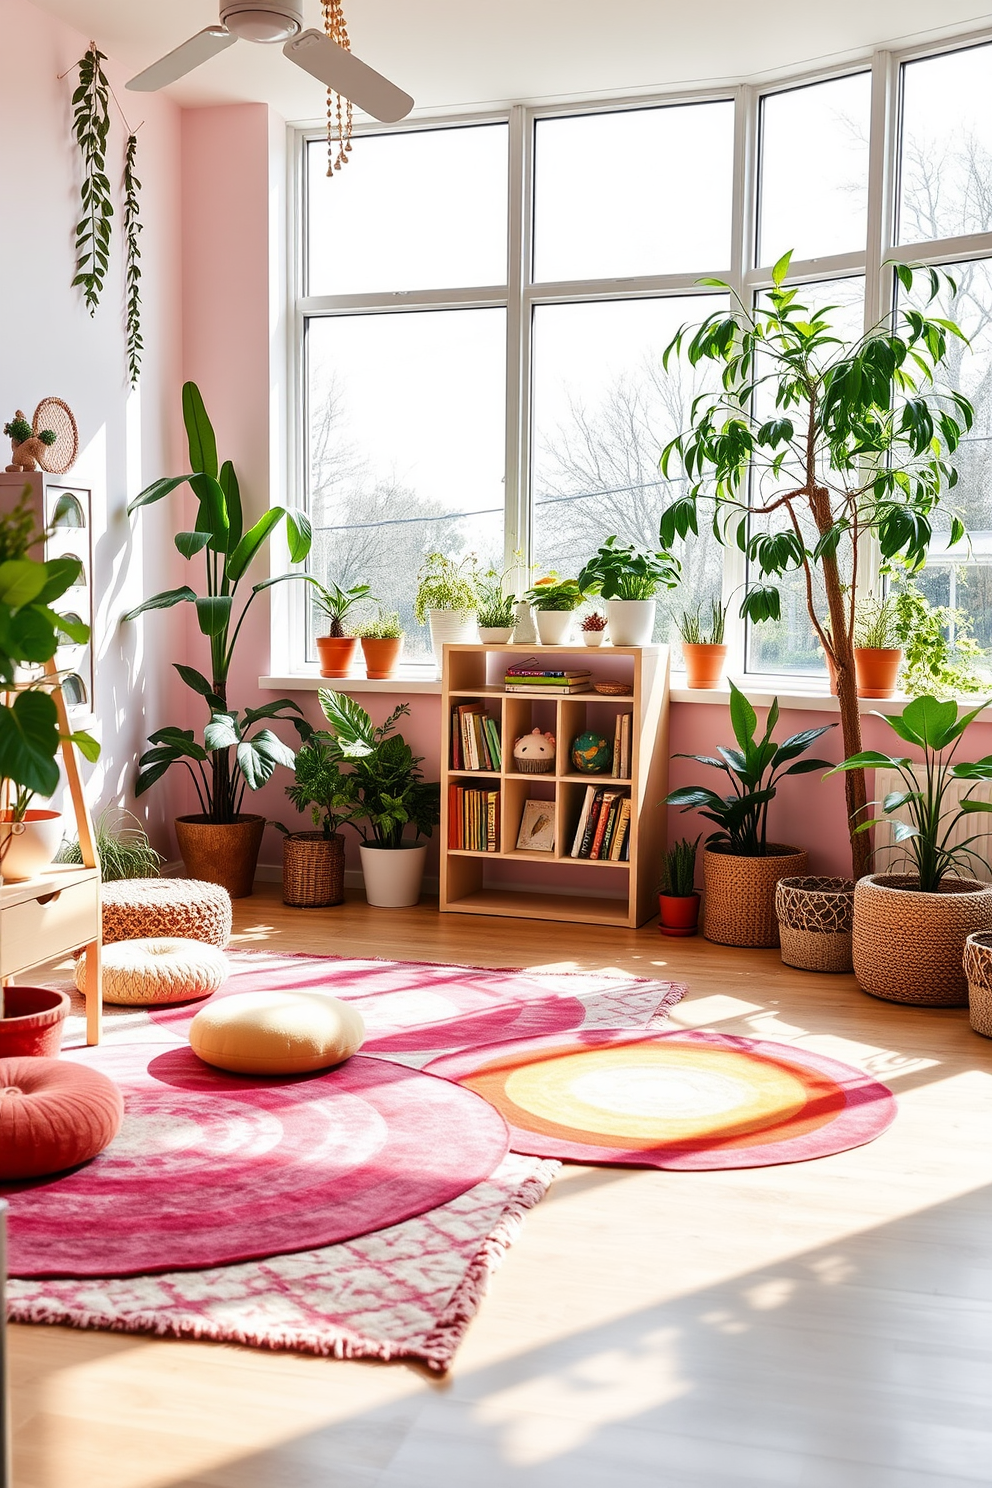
(54, 1115)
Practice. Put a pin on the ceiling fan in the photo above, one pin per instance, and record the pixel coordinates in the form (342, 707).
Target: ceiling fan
(271, 21)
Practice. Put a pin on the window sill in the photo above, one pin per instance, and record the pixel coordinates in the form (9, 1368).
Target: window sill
(792, 693)
(420, 682)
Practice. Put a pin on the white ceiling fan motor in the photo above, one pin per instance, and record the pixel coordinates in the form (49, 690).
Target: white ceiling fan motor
(278, 20)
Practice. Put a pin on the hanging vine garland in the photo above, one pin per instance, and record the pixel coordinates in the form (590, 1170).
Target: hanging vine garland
(91, 125)
(338, 108)
(132, 268)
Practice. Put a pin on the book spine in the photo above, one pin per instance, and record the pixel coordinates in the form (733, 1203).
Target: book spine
(495, 750)
(456, 740)
(625, 746)
(608, 807)
(549, 691)
(481, 743)
(590, 831)
(615, 763)
(621, 830)
(491, 821)
(463, 726)
(583, 818)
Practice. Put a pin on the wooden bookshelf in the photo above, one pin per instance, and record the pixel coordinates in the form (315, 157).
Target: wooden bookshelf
(558, 886)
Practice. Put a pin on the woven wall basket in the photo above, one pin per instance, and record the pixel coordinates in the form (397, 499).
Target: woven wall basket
(815, 921)
(312, 870)
(739, 894)
(978, 970)
(909, 946)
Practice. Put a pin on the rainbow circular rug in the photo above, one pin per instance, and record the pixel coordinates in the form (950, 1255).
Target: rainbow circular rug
(685, 1100)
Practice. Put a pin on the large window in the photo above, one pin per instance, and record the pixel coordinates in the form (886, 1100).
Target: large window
(482, 308)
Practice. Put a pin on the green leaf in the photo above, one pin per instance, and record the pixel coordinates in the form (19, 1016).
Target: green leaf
(198, 682)
(934, 723)
(61, 574)
(781, 269)
(155, 492)
(214, 613)
(163, 601)
(32, 635)
(75, 630)
(199, 431)
(86, 744)
(970, 806)
(252, 541)
(211, 515)
(21, 581)
(232, 496)
(222, 732)
(743, 718)
(191, 543)
(29, 739)
(299, 534)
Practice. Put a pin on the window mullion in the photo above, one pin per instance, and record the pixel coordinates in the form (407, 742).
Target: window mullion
(744, 228)
(517, 520)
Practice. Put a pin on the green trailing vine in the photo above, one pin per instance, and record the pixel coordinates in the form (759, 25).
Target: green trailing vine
(132, 268)
(91, 125)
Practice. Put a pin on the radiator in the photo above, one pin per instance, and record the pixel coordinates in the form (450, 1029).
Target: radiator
(892, 858)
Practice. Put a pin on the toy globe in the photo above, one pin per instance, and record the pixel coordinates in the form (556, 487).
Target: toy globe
(534, 753)
(592, 754)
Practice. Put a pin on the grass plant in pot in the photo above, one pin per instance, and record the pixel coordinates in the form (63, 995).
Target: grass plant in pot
(382, 643)
(220, 842)
(628, 579)
(447, 599)
(703, 645)
(554, 601)
(122, 847)
(337, 648)
(678, 900)
(910, 928)
(313, 862)
(877, 653)
(497, 613)
(376, 786)
(741, 868)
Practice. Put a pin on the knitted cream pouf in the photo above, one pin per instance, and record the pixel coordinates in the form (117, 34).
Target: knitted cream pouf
(185, 907)
(144, 973)
(276, 1033)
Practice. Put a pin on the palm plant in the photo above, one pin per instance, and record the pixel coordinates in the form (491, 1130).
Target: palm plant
(335, 603)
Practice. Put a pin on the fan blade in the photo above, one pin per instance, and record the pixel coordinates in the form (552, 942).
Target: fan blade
(338, 69)
(169, 69)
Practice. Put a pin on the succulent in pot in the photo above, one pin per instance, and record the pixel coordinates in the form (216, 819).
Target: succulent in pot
(678, 900)
(447, 599)
(382, 643)
(593, 628)
(554, 601)
(877, 653)
(910, 928)
(741, 868)
(703, 644)
(628, 579)
(337, 648)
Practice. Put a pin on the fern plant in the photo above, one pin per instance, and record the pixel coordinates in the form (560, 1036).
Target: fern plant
(91, 125)
(132, 270)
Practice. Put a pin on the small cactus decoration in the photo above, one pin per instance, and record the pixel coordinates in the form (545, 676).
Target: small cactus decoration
(27, 446)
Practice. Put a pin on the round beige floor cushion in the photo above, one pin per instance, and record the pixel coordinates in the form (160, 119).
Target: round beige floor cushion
(185, 907)
(276, 1033)
(149, 971)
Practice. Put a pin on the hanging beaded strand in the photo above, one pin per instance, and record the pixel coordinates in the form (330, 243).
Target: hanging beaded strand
(338, 108)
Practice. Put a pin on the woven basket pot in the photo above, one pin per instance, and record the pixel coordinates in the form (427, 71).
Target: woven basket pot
(739, 894)
(815, 921)
(908, 945)
(312, 870)
(978, 970)
(221, 853)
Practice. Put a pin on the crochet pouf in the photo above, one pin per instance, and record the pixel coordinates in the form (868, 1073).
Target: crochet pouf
(184, 907)
(148, 972)
(276, 1033)
(53, 1115)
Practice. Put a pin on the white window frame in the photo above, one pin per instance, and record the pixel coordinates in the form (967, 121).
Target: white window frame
(520, 295)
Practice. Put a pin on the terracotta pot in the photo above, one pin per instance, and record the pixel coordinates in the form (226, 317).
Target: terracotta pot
(393, 875)
(221, 853)
(336, 654)
(34, 843)
(740, 894)
(877, 670)
(32, 1022)
(679, 913)
(909, 945)
(382, 656)
(703, 664)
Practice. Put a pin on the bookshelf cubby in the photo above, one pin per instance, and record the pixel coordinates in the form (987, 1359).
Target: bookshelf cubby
(553, 885)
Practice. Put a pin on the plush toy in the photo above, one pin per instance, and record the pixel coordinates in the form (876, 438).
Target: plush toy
(534, 753)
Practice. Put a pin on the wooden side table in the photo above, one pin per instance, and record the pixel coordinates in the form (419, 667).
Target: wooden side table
(50, 916)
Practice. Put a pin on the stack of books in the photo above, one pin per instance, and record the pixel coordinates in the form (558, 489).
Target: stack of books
(474, 739)
(533, 676)
(473, 818)
(621, 748)
(603, 832)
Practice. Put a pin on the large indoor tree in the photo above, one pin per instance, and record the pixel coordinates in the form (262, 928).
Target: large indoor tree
(814, 447)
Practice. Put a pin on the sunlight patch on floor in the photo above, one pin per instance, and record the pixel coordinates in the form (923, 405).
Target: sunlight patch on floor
(703, 1012)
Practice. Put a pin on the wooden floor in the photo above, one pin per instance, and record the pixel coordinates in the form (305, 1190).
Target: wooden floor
(821, 1325)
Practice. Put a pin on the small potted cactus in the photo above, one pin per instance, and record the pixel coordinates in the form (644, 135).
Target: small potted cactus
(678, 899)
(594, 629)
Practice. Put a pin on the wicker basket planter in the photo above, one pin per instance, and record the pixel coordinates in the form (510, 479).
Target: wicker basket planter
(739, 894)
(909, 946)
(312, 870)
(978, 970)
(815, 922)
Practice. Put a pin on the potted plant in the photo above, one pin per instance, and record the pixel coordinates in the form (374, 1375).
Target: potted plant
(858, 447)
(122, 847)
(593, 628)
(447, 598)
(678, 900)
(740, 866)
(940, 654)
(337, 648)
(29, 836)
(703, 645)
(628, 579)
(815, 922)
(877, 653)
(910, 928)
(497, 610)
(313, 862)
(554, 600)
(382, 643)
(220, 843)
(378, 788)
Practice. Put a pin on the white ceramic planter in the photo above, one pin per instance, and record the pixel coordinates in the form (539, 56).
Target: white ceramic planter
(495, 635)
(525, 631)
(593, 637)
(393, 875)
(553, 626)
(33, 844)
(631, 621)
(452, 626)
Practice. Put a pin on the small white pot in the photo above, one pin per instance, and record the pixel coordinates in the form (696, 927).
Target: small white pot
(452, 626)
(631, 621)
(525, 631)
(593, 637)
(553, 626)
(495, 635)
(393, 875)
(33, 844)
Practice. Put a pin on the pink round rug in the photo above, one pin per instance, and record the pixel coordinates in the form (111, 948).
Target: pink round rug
(211, 1168)
(672, 1100)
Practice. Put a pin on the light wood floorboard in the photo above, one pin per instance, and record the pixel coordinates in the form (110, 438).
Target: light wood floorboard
(820, 1325)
